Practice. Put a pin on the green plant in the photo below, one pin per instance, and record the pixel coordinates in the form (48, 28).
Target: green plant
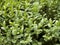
(29, 22)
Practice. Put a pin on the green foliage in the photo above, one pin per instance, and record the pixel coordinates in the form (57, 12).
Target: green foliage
(29, 22)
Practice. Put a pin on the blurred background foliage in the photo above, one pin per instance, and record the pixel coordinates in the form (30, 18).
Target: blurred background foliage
(29, 22)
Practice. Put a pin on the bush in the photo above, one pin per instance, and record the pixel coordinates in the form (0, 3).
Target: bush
(29, 22)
